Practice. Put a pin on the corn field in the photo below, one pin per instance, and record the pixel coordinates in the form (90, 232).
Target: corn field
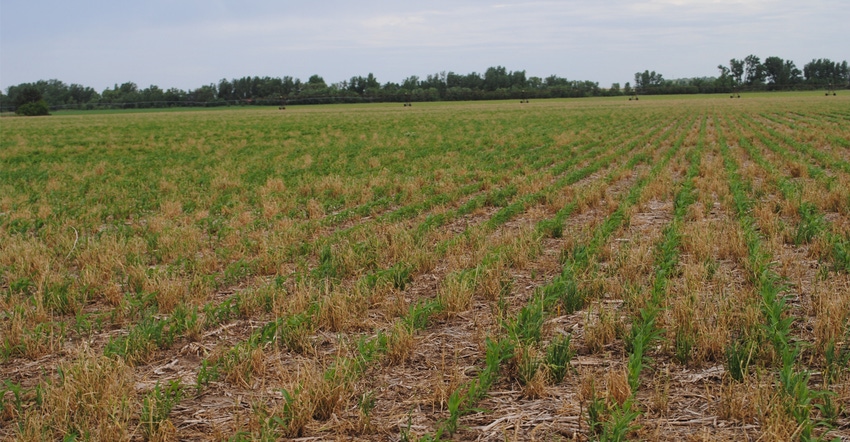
(595, 269)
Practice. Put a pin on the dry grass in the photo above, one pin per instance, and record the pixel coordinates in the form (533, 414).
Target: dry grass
(93, 398)
(400, 343)
(456, 293)
(494, 281)
(831, 311)
(617, 386)
(601, 329)
(337, 311)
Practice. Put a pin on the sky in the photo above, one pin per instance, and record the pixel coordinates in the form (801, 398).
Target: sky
(190, 43)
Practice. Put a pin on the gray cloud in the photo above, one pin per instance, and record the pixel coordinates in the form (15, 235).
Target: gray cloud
(189, 43)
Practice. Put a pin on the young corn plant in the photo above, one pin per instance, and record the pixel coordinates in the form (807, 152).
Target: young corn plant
(157, 405)
(643, 335)
(462, 401)
(558, 357)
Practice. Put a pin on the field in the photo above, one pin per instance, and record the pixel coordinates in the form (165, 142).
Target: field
(594, 269)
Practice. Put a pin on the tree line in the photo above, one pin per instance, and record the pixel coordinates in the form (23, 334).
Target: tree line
(749, 73)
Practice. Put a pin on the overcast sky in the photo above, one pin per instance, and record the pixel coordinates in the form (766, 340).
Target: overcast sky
(190, 43)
